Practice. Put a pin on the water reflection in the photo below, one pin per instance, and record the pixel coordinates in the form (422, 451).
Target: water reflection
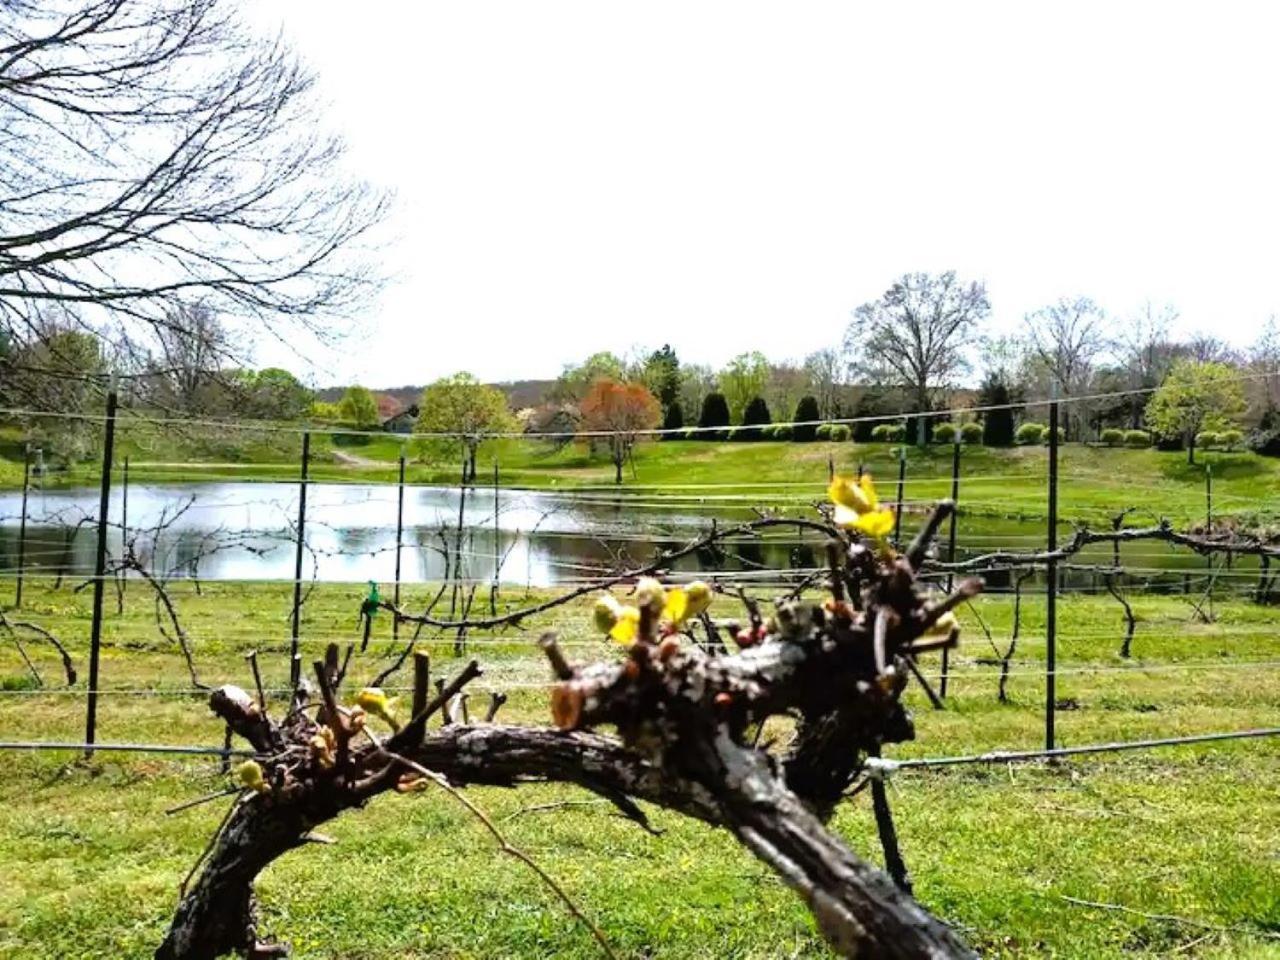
(245, 531)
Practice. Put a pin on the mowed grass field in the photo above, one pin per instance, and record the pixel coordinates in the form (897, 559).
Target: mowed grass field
(1095, 483)
(1184, 842)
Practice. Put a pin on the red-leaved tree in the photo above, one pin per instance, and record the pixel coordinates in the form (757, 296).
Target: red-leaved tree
(624, 411)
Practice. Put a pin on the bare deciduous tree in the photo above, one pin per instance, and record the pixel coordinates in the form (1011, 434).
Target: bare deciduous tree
(1147, 352)
(155, 152)
(192, 348)
(826, 372)
(1204, 347)
(1066, 339)
(1264, 359)
(916, 334)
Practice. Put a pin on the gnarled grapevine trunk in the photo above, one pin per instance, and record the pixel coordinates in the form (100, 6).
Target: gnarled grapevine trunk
(682, 717)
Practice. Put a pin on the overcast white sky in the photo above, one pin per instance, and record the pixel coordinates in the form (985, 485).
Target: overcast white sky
(726, 176)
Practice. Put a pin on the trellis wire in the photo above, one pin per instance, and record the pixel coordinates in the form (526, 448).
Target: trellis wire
(876, 766)
(92, 747)
(657, 496)
(497, 684)
(273, 427)
(884, 766)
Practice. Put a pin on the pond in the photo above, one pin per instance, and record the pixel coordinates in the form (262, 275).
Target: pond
(245, 531)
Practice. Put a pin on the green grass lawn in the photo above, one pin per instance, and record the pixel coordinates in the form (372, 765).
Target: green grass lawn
(89, 863)
(1009, 483)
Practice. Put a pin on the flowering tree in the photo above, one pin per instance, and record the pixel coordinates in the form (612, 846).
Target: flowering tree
(623, 410)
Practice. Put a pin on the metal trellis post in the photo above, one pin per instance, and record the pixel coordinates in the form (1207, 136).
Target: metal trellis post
(902, 484)
(295, 672)
(124, 531)
(1051, 588)
(22, 522)
(951, 556)
(99, 576)
(1208, 511)
(395, 620)
(497, 544)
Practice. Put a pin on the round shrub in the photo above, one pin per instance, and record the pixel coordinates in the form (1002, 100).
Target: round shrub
(1137, 438)
(1231, 438)
(971, 432)
(782, 433)
(840, 433)
(1207, 439)
(1112, 437)
(1029, 433)
(897, 432)
(823, 432)
(1044, 435)
(880, 432)
(945, 433)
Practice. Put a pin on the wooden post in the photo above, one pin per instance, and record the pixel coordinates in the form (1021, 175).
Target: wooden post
(22, 522)
(1051, 587)
(99, 576)
(294, 659)
(395, 620)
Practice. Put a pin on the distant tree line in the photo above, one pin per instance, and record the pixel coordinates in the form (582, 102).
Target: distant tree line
(904, 358)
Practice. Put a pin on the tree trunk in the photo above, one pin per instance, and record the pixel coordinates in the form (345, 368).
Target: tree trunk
(922, 406)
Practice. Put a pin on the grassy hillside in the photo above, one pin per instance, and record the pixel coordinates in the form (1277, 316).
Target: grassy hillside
(89, 863)
(1095, 481)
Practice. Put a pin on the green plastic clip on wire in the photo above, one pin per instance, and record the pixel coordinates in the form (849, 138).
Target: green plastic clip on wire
(368, 608)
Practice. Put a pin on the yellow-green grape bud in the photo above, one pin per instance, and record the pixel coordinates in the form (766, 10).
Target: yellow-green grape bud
(650, 595)
(322, 749)
(249, 774)
(606, 613)
(376, 703)
(699, 599)
(943, 626)
(356, 719)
